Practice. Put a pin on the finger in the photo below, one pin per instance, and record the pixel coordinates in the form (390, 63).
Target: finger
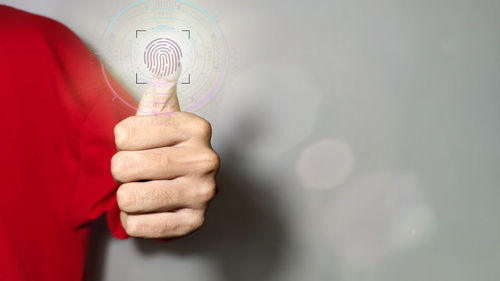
(163, 163)
(162, 225)
(161, 95)
(165, 195)
(145, 132)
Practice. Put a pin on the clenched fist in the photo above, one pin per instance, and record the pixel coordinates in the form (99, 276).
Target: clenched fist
(166, 168)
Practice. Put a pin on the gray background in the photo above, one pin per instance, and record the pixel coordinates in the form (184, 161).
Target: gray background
(359, 140)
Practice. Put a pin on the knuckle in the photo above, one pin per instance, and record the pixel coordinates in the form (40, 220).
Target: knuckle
(167, 195)
(125, 131)
(117, 165)
(206, 192)
(126, 197)
(134, 227)
(164, 160)
(203, 128)
(122, 165)
(196, 221)
(121, 131)
(211, 161)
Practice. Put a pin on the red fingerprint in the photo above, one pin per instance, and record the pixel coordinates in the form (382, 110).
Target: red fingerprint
(162, 57)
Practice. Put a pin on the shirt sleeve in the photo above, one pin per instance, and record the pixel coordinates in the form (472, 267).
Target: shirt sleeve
(67, 87)
(87, 91)
(95, 192)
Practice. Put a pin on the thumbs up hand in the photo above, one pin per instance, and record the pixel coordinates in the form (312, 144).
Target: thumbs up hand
(167, 172)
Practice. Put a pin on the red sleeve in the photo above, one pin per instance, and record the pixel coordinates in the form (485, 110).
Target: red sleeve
(92, 110)
(95, 190)
(57, 123)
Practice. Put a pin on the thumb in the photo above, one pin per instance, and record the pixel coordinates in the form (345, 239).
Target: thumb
(161, 95)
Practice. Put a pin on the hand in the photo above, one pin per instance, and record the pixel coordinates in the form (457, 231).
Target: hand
(167, 171)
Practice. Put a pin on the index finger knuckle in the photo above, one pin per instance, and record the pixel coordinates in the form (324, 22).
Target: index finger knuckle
(125, 132)
(201, 127)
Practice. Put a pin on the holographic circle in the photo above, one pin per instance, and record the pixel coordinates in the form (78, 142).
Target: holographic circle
(199, 43)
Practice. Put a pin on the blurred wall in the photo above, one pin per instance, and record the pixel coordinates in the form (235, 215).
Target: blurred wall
(359, 140)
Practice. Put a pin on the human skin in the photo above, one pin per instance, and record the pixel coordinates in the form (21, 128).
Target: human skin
(166, 172)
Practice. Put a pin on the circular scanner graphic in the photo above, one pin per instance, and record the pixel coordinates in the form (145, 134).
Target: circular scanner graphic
(162, 57)
(153, 39)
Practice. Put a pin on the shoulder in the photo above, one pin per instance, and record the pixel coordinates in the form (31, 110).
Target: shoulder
(24, 29)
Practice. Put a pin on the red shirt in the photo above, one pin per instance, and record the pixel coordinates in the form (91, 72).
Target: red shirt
(56, 124)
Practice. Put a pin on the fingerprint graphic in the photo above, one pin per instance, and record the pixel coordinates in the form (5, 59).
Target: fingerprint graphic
(162, 57)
